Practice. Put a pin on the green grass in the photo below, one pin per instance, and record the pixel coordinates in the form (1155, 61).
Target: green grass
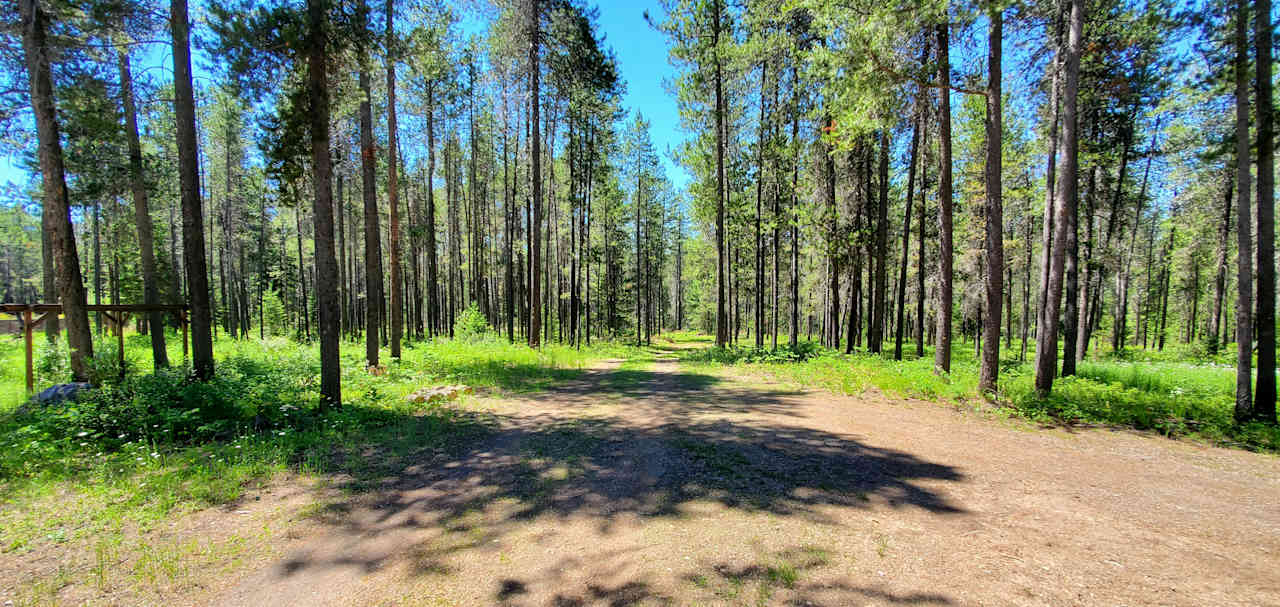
(157, 445)
(1180, 392)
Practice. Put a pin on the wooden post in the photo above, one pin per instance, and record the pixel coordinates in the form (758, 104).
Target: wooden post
(26, 333)
(120, 316)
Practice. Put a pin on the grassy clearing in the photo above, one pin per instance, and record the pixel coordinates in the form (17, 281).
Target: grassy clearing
(1162, 392)
(137, 453)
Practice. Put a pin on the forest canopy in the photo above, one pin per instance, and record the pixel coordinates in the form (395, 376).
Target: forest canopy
(1048, 181)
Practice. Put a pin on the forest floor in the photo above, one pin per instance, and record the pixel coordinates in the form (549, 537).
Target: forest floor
(641, 482)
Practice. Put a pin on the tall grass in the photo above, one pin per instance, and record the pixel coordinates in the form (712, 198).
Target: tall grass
(1170, 394)
(135, 452)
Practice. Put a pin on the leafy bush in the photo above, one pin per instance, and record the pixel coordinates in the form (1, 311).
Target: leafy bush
(274, 317)
(736, 354)
(471, 325)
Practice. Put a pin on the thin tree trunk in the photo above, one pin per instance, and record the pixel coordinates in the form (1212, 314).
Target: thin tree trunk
(393, 187)
(878, 291)
(942, 351)
(906, 237)
(535, 161)
(142, 216)
(1220, 277)
(722, 320)
(1051, 166)
(433, 273)
(372, 231)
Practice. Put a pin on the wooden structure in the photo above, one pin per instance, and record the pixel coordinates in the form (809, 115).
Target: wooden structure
(31, 315)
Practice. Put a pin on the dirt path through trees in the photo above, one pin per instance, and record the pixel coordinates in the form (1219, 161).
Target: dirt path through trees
(648, 484)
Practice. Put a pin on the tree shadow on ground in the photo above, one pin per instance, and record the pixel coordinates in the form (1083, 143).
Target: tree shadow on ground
(475, 477)
(795, 576)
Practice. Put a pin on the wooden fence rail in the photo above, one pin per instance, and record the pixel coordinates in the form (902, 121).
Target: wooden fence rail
(31, 315)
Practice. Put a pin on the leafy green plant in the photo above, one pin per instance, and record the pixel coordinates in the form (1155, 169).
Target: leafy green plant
(471, 325)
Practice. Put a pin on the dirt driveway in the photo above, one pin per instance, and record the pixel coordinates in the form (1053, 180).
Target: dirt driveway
(661, 487)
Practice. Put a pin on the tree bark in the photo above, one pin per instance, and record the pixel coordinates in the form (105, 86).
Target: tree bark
(942, 350)
(722, 319)
(433, 264)
(875, 339)
(535, 162)
(794, 337)
(372, 230)
(1244, 221)
(1264, 405)
(142, 215)
(1220, 276)
(1064, 205)
(989, 372)
(193, 252)
(325, 260)
(906, 238)
(393, 188)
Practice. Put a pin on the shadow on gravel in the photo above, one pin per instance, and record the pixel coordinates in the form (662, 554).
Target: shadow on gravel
(483, 475)
(783, 577)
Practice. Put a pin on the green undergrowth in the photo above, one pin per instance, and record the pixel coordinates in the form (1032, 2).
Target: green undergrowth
(136, 451)
(1170, 393)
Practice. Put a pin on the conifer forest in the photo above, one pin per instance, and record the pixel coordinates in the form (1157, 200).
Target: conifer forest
(665, 302)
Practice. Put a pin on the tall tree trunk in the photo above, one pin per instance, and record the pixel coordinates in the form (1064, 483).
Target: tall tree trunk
(142, 215)
(989, 373)
(795, 210)
(639, 203)
(1064, 206)
(325, 260)
(184, 107)
(372, 230)
(1244, 222)
(535, 162)
(344, 321)
(49, 269)
(1220, 277)
(875, 342)
(942, 350)
(304, 309)
(722, 319)
(1026, 292)
(97, 262)
(906, 237)
(759, 250)
(433, 272)
(1051, 167)
(393, 188)
(1264, 405)
(832, 221)
(508, 202)
(922, 224)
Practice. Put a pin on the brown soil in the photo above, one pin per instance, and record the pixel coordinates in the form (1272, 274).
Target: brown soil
(657, 487)
(665, 487)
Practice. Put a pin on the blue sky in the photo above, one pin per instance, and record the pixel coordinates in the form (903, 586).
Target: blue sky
(642, 56)
(642, 59)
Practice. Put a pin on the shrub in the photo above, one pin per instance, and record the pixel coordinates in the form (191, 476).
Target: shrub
(471, 325)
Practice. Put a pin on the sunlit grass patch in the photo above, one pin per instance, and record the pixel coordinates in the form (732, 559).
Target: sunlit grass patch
(1167, 393)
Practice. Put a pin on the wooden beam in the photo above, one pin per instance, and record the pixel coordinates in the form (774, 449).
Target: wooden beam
(47, 307)
(27, 328)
